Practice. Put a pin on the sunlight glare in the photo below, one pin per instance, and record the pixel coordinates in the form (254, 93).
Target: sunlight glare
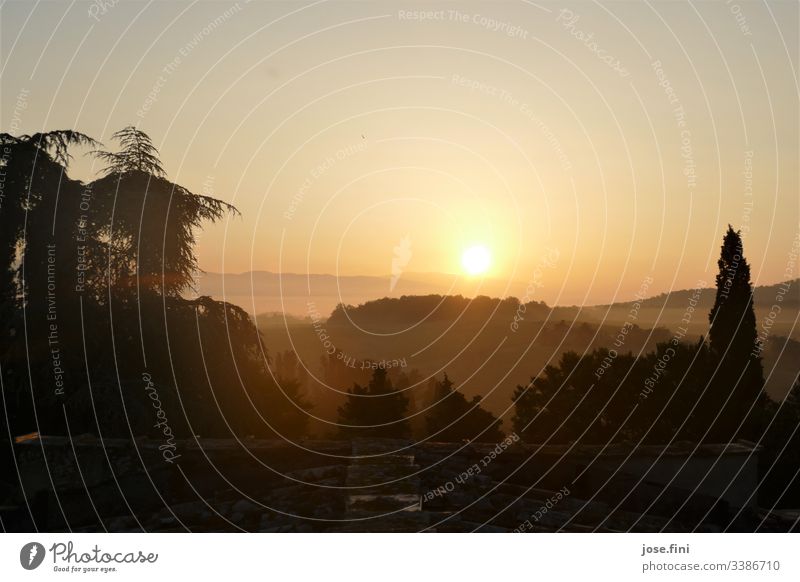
(476, 259)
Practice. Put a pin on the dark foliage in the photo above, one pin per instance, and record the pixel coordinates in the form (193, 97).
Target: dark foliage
(738, 380)
(138, 154)
(606, 397)
(706, 392)
(453, 418)
(779, 461)
(377, 410)
(148, 220)
(415, 308)
(94, 329)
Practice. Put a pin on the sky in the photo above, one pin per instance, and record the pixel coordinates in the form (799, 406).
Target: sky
(590, 148)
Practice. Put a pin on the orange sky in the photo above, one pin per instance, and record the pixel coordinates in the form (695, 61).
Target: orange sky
(622, 138)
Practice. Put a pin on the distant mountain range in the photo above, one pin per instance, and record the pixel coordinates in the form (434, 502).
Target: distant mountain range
(668, 309)
(764, 296)
(264, 292)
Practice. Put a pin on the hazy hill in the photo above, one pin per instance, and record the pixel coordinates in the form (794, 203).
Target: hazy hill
(764, 296)
(668, 309)
(265, 291)
(291, 293)
(489, 345)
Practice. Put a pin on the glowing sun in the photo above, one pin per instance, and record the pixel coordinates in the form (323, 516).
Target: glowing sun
(476, 260)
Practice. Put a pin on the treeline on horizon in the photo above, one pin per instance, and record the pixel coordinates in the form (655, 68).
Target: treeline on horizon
(433, 307)
(438, 307)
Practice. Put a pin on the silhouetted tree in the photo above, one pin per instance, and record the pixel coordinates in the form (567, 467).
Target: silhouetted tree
(452, 418)
(71, 255)
(605, 397)
(37, 221)
(375, 411)
(138, 154)
(149, 221)
(569, 402)
(736, 388)
(288, 367)
(33, 167)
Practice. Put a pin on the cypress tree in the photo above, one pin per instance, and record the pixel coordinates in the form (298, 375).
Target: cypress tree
(734, 346)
